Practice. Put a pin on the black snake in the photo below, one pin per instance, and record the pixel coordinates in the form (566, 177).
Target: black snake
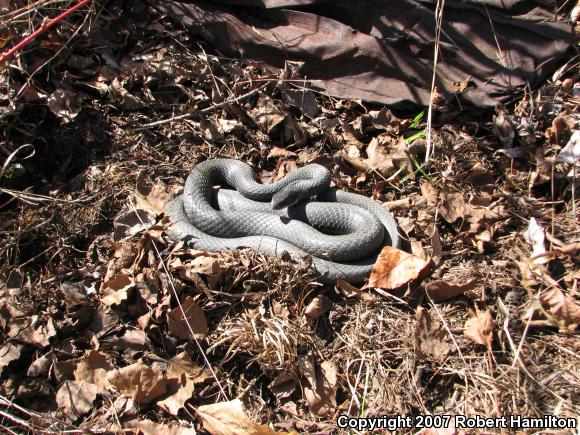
(342, 231)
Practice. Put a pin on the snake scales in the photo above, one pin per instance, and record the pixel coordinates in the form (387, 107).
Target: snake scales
(342, 231)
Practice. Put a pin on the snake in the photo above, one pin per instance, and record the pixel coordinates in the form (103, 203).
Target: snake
(301, 214)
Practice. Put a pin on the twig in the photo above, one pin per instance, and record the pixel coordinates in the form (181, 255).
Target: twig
(438, 24)
(201, 112)
(8, 54)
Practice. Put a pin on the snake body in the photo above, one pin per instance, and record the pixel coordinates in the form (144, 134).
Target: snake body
(356, 227)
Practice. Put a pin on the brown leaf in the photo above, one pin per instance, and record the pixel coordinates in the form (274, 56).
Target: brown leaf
(562, 308)
(430, 193)
(379, 158)
(152, 198)
(76, 398)
(317, 307)
(204, 264)
(64, 370)
(395, 268)
(429, 337)
(148, 427)
(277, 152)
(452, 206)
(41, 365)
(132, 339)
(74, 293)
(283, 385)
(115, 290)
(443, 290)
(32, 331)
(268, 116)
(504, 129)
(8, 353)
(179, 326)
(94, 368)
(479, 327)
(143, 383)
(348, 289)
(212, 130)
(131, 222)
(320, 390)
(185, 375)
(229, 418)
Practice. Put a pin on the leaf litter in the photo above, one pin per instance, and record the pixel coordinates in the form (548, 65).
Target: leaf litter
(89, 312)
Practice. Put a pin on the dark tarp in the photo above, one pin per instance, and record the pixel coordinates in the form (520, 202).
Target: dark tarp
(382, 51)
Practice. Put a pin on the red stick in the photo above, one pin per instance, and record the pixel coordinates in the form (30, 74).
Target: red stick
(7, 55)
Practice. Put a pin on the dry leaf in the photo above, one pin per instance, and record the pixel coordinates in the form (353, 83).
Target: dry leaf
(277, 152)
(562, 308)
(131, 222)
(152, 198)
(40, 366)
(320, 393)
(479, 327)
(115, 290)
(185, 374)
(442, 290)
(430, 193)
(204, 265)
(76, 398)
(283, 385)
(229, 418)
(148, 427)
(347, 289)
(536, 237)
(32, 331)
(430, 337)
(8, 353)
(74, 293)
(143, 383)
(317, 307)
(395, 268)
(379, 158)
(504, 129)
(452, 206)
(179, 326)
(132, 339)
(571, 152)
(64, 370)
(94, 368)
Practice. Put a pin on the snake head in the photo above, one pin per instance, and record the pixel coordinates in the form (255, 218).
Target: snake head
(286, 198)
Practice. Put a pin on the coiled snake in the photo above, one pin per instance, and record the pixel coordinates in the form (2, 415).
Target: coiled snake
(342, 231)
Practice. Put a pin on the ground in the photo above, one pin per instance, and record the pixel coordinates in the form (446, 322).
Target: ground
(93, 334)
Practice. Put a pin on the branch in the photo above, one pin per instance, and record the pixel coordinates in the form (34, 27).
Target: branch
(8, 54)
(201, 112)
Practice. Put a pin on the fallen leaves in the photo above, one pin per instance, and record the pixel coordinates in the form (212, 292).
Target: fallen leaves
(395, 268)
(142, 383)
(152, 197)
(321, 386)
(229, 418)
(187, 321)
(430, 337)
(76, 398)
(184, 375)
(479, 327)
(116, 289)
(93, 368)
(8, 353)
(536, 237)
(561, 309)
(442, 290)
